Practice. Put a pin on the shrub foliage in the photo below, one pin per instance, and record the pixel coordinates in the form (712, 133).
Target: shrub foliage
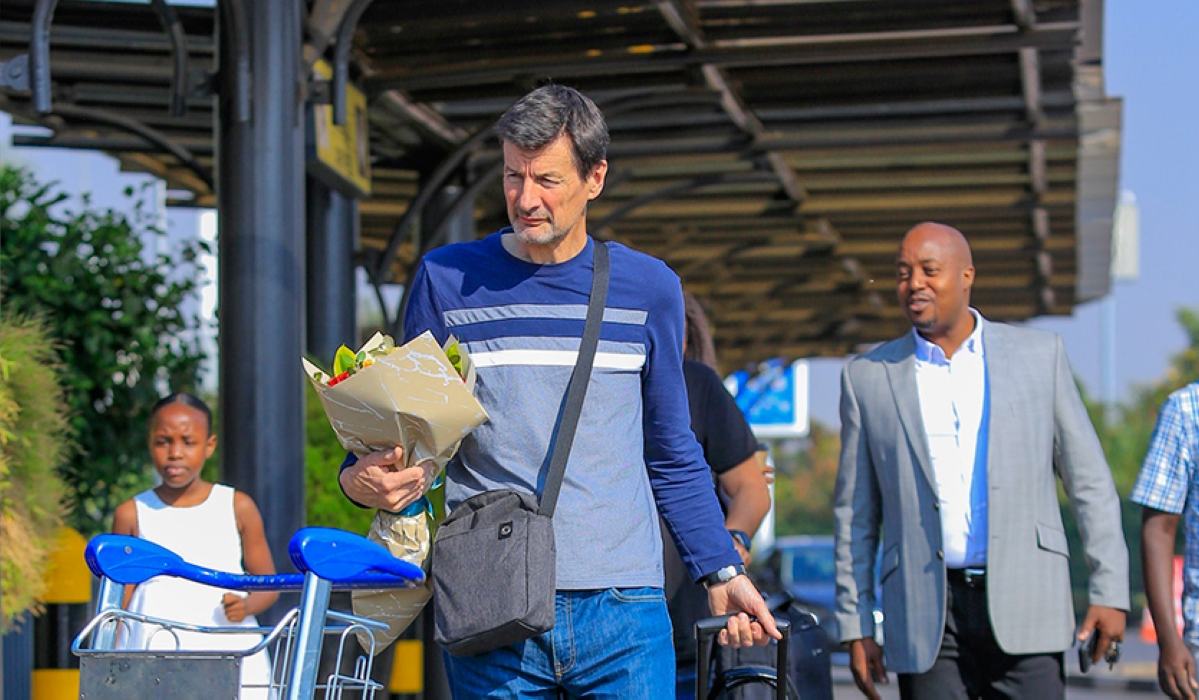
(35, 439)
(117, 309)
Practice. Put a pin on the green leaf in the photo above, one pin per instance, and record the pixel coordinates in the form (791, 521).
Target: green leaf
(454, 355)
(343, 361)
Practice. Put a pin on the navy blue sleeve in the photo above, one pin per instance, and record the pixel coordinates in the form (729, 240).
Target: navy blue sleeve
(679, 475)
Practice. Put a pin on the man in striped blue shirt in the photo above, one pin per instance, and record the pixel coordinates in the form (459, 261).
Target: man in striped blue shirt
(517, 301)
(1168, 487)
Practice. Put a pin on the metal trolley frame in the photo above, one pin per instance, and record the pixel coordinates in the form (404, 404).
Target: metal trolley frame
(328, 559)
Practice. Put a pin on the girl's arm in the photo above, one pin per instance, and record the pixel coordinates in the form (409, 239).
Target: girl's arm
(124, 522)
(256, 556)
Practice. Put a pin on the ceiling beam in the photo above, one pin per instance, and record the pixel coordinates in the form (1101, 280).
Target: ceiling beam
(1024, 14)
(1030, 83)
(684, 23)
(68, 36)
(787, 51)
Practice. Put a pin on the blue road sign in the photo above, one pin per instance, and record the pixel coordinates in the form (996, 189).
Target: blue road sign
(775, 400)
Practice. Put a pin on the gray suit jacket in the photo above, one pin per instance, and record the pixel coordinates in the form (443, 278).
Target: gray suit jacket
(1039, 428)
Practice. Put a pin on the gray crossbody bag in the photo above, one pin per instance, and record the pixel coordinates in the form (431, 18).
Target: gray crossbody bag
(494, 573)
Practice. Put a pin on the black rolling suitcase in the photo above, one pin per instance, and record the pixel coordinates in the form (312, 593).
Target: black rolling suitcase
(746, 679)
(749, 674)
(809, 654)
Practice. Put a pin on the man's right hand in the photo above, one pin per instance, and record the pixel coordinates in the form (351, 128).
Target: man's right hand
(1176, 670)
(381, 481)
(866, 662)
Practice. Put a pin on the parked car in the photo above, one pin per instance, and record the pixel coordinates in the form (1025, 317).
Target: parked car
(804, 567)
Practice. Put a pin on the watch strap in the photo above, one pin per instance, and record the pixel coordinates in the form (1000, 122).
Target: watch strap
(742, 538)
(722, 575)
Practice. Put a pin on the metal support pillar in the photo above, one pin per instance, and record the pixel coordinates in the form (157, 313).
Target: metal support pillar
(260, 201)
(459, 221)
(449, 217)
(437, 687)
(1107, 356)
(332, 236)
(17, 661)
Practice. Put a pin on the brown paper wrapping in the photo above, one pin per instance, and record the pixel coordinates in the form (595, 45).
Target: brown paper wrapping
(407, 538)
(412, 397)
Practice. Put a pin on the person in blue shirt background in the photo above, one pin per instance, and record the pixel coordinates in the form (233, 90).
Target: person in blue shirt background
(1167, 488)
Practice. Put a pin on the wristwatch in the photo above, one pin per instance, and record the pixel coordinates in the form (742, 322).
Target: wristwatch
(742, 538)
(722, 575)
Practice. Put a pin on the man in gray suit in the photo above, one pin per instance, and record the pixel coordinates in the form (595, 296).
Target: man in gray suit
(951, 437)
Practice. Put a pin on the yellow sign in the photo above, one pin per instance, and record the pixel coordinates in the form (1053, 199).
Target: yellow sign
(340, 155)
(408, 667)
(55, 683)
(68, 579)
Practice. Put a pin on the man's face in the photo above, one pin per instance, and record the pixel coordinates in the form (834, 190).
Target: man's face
(547, 199)
(933, 282)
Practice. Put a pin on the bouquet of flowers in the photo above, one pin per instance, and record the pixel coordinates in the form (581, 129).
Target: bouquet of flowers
(419, 396)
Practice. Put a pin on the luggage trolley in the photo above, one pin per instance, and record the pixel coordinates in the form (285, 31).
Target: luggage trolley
(328, 559)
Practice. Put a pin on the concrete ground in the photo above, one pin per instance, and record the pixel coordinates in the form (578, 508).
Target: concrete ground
(1135, 675)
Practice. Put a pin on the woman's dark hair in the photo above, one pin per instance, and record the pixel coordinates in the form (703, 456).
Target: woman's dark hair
(700, 346)
(551, 110)
(189, 400)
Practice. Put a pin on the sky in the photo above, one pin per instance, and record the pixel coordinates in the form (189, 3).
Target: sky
(1151, 53)
(1150, 57)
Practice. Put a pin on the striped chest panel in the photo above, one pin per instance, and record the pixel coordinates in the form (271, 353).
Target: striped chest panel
(547, 335)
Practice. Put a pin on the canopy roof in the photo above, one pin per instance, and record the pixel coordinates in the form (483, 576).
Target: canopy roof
(771, 151)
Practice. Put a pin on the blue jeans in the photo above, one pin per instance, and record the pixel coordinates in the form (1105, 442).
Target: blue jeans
(613, 643)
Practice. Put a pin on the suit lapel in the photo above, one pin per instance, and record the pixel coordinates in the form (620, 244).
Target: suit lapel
(901, 372)
(1002, 377)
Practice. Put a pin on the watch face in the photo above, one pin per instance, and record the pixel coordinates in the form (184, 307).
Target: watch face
(723, 575)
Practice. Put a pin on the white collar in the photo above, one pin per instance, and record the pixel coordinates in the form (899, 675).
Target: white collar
(927, 351)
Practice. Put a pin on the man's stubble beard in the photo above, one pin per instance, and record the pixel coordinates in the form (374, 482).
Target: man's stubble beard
(527, 237)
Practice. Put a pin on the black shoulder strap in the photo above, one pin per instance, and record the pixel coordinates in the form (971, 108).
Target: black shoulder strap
(579, 379)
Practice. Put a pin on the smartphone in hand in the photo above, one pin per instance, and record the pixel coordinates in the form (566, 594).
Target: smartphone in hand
(1086, 652)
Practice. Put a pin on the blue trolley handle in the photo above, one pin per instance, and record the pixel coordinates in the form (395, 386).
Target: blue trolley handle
(350, 561)
(132, 560)
(344, 559)
(705, 636)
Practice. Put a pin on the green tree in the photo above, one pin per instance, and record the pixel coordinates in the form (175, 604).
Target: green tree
(116, 309)
(35, 439)
(327, 505)
(804, 482)
(1125, 439)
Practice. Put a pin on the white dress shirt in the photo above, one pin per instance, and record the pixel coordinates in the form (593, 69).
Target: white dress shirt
(953, 406)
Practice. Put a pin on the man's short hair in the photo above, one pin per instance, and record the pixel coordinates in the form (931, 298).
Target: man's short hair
(551, 110)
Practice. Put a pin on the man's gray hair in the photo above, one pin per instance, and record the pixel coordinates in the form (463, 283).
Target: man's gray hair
(551, 110)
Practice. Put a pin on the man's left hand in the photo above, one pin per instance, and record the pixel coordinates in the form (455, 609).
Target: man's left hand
(1108, 623)
(739, 599)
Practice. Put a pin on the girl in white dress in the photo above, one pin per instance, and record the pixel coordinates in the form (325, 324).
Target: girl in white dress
(206, 524)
